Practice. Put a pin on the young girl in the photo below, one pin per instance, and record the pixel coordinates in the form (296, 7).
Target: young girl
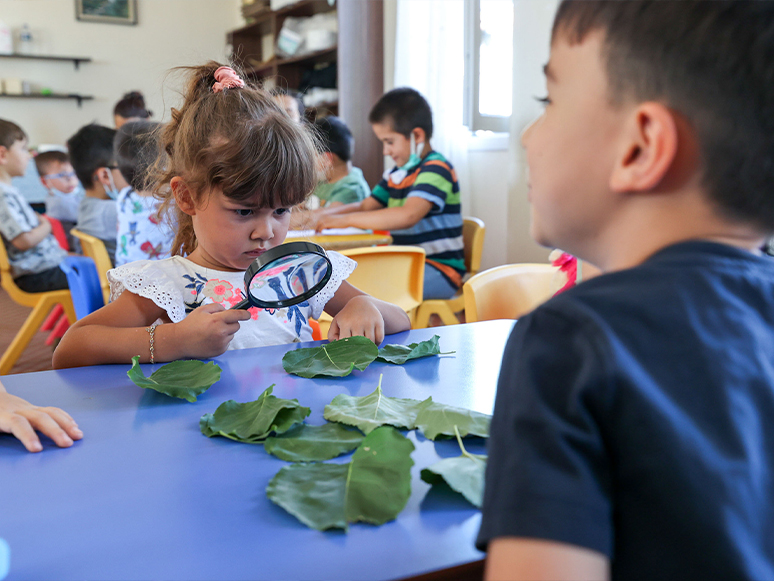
(233, 165)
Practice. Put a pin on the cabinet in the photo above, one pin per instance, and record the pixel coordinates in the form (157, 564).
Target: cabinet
(358, 55)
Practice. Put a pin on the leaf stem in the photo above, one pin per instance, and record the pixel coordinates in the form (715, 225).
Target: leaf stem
(462, 447)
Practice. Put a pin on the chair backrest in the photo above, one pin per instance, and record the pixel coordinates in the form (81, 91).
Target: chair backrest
(95, 249)
(395, 274)
(6, 274)
(473, 231)
(84, 283)
(508, 292)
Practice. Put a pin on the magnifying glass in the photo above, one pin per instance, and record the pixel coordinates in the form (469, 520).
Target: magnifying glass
(286, 275)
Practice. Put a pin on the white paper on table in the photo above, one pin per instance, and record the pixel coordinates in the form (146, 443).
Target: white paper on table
(327, 232)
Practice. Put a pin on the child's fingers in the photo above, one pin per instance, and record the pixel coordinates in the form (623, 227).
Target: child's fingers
(40, 420)
(65, 421)
(21, 429)
(211, 308)
(234, 316)
(333, 331)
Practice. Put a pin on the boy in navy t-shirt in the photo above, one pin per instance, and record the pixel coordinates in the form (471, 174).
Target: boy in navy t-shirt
(632, 435)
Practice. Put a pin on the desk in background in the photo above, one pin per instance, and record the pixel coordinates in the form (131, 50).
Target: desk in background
(341, 239)
(146, 496)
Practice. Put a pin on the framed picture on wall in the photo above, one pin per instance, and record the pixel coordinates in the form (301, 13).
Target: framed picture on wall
(107, 11)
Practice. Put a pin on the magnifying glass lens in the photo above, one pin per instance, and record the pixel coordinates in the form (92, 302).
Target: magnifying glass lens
(288, 277)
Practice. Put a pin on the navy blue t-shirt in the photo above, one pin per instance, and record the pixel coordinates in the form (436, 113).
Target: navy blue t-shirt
(635, 417)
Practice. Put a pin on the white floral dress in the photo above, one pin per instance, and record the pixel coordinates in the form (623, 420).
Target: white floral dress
(178, 286)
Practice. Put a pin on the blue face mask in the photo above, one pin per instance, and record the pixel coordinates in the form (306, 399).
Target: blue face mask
(113, 192)
(398, 175)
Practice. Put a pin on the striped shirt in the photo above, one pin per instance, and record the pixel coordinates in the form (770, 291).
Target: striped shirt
(440, 231)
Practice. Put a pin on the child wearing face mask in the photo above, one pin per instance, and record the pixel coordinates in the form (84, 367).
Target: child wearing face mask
(232, 167)
(64, 192)
(418, 200)
(91, 153)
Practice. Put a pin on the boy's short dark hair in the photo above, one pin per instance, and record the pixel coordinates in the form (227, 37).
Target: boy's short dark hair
(90, 149)
(10, 133)
(336, 136)
(136, 149)
(405, 109)
(44, 161)
(710, 62)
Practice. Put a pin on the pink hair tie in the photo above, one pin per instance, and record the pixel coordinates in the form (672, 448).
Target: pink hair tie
(226, 78)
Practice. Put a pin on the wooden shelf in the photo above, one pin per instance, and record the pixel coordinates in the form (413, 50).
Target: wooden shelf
(76, 60)
(309, 58)
(79, 98)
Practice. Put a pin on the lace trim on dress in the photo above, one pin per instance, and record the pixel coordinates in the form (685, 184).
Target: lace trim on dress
(150, 282)
(342, 268)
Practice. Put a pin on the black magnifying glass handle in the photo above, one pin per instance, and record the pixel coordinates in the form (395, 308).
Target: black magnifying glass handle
(243, 305)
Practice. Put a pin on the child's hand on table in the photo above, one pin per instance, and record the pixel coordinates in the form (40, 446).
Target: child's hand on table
(208, 330)
(359, 317)
(326, 221)
(21, 418)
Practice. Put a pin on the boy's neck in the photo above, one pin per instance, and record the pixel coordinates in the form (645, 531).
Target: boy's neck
(96, 191)
(5, 177)
(339, 170)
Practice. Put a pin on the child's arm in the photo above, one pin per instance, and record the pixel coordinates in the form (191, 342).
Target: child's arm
(117, 332)
(21, 418)
(33, 237)
(516, 559)
(396, 218)
(356, 313)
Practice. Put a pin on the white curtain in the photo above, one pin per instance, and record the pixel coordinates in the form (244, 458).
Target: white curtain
(430, 57)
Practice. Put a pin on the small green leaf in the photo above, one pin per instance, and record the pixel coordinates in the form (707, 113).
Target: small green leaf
(464, 474)
(374, 487)
(183, 379)
(374, 410)
(336, 359)
(436, 419)
(399, 354)
(253, 421)
(306, 443)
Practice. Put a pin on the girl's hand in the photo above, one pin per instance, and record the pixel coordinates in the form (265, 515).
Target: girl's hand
(208, 330)
(359, 317)
(21, 418)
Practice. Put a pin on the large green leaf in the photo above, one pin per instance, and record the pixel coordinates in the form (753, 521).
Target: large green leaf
(307, 443)
(373, 487)
(183, 379)
(436, 419)
(464, 474)
(253, 421)
(337, 358)
(374, 410)
(399, 354)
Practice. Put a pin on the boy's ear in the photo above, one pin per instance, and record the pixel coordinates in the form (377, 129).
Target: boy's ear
(183, 196)
(649, 151)
(419, 135)
(3, 154)
(101, 177)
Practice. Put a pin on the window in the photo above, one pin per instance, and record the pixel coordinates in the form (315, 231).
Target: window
(489, 64)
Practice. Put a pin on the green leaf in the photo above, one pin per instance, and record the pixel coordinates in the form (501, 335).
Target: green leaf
(374, 487)
(464, 474)
(253, 421)
(399, 354)
(183, 379)
(436, 419)
(374, 410)
(306, 443)
(337, 358)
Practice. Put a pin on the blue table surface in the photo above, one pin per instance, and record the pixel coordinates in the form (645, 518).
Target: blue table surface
(146, 496)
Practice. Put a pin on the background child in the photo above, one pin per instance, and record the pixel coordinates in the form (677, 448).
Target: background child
(33, 251)
(233, 164)
(91, 153)
(291, 102)
(20, 418)
(141, 235)
(632, 433)
(64, 192)
(419, 199)
(131, 107)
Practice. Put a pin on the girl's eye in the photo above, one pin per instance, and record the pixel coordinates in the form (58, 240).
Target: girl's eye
(281, 211)
(543, 100)
(244, 212)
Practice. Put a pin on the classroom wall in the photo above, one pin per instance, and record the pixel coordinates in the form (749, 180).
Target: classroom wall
(169, 33)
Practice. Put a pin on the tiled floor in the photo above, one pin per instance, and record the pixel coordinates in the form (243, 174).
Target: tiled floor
(37, 355)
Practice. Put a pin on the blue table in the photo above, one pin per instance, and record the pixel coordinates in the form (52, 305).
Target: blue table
(146, 496)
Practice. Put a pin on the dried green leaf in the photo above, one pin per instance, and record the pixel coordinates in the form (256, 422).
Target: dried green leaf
(374, 410)
(184, 379)
(399, 354)
(254, 421)
(464, 474)
(336, 359)
(374, 487)
(305, 443)
(436, 419)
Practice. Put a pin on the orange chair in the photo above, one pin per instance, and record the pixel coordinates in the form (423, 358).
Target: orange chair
(95, 249)
(41, 304)
(473, 231)
(510, 291)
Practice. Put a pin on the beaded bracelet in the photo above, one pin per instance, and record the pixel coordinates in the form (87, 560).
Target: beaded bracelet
(151, 331)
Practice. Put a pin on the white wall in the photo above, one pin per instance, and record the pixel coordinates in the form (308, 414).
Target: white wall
(169, 33)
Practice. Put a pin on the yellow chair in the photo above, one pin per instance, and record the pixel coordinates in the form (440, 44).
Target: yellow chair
(95, 249)
(395, 274)
(510, 291)
(41, 304)
(473, 231)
